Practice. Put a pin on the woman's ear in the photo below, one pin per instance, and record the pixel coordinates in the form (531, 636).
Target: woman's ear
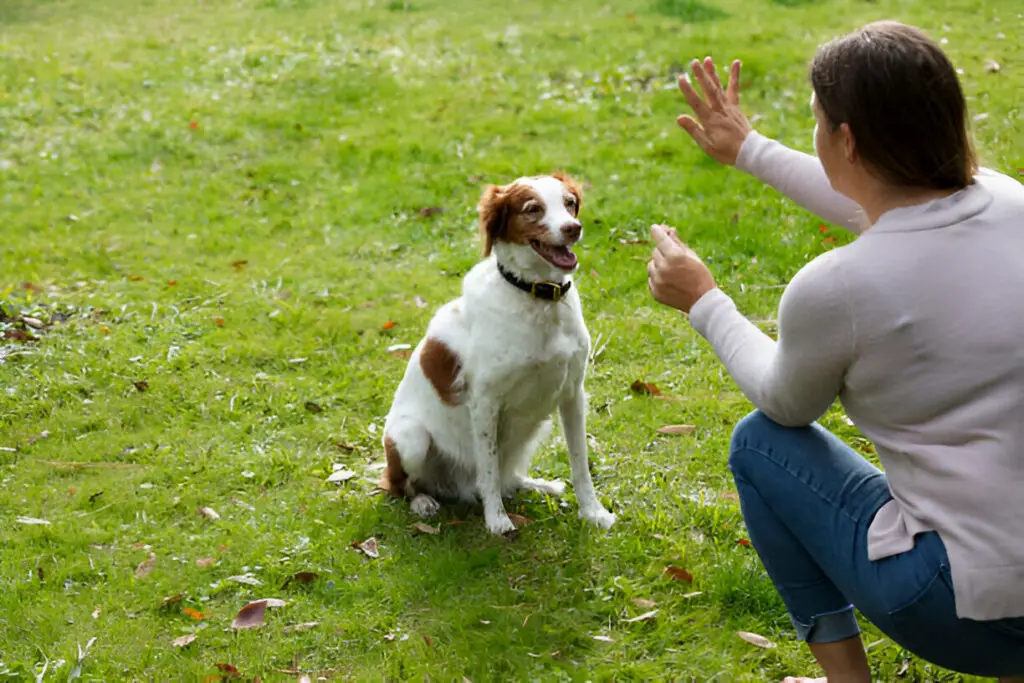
(493, 211)
(849, 144)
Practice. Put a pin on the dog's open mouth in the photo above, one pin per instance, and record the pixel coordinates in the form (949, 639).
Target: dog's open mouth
(558, 256)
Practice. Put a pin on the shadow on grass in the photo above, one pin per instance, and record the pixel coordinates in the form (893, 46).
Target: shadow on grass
(690, 11)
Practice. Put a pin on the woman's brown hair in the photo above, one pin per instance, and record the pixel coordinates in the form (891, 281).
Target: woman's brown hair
(900, 95)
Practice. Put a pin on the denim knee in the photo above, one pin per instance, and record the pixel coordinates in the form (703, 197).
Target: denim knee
(755, 426)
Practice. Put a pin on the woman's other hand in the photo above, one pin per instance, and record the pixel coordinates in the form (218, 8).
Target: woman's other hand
(721, 126)
(675, 274)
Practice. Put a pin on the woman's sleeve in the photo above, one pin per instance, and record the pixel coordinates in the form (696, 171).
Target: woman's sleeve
(796, 380)
(800, 177)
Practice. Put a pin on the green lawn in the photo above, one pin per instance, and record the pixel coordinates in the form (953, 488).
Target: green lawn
(218, 206)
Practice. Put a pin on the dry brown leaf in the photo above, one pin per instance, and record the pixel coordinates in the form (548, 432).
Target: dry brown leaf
(171, 599)
(145, 567)
(313, 407)
(368, 547)
(519, 520)
(428, 211)
(644, 602)
(678, 573)
(425, 528)
(195, 614)
(340, 474)
(755, 639)
(676, 429)
(34, 323)
(239, 265)
(643, 617)
(252, 615)
(205, 562)
(141, 386)
(729, 495)
(209, 513)
(184, 640)
(230, 670)
(645, 388)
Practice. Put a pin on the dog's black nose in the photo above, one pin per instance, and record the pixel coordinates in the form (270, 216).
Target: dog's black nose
(572, 230)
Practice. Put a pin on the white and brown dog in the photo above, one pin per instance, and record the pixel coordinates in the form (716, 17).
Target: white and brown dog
(480, 389)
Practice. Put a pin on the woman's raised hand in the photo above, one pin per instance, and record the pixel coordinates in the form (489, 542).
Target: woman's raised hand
(720, 126)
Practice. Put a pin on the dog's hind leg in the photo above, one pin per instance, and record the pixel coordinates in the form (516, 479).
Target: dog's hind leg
(407, 446)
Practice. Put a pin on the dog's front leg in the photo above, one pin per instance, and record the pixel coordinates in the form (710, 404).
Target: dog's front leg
(484, 413)
(572, 411)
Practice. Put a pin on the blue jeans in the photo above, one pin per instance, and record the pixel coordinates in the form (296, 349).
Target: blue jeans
(807, 500)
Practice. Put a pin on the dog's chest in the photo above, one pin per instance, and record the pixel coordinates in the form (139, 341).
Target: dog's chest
(540, 371)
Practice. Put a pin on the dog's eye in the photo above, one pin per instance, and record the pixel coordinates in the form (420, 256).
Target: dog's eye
(570, 203)
(532, 208)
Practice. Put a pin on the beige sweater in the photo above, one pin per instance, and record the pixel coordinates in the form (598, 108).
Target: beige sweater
(918, 328)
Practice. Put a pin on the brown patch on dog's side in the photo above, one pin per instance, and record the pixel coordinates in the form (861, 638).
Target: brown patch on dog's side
(442, 368)
(573, 187)
(393, 479)
(502, 218)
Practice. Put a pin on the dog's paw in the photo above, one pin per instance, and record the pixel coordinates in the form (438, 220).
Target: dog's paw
(554, 488)
(500, 525)
(598, 516)
(424, 506)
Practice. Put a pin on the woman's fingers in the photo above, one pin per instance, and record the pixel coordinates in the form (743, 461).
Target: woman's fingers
(697, 104)
(732, 92)
(711, 91)
(712, 72)
(695, 130)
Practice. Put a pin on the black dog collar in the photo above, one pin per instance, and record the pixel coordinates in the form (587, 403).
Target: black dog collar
(549, 291)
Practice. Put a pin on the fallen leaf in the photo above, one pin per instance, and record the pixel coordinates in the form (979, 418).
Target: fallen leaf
(209, 513)
(430, 211)
(340, 475)
(643, 617)
(519, 520)
(676, 429)
(193, 125)
(145, 567)
(141, 386)
(246, 579)
(172, 599)
(205, 562)
(239, 265)
(271, 602)
(32, 521)
(388, 325)
(104, 329)
(755, 639)
(230, 670)
(184, 640)
(368, 547)
(34, 323)
(136, 278)
(644, 602)
(19, 335)
(252, 615)
(219, 322)
(298, 628)
(40, 573)
(678, 573)
(301, 577)
(729, 495)
(172, 283)
(400, 350)
(693, 594)
(604, 639)
(744, 541)
(425, 528)
(94, 497)
(313, 408)
(645, 388)
(195, 614)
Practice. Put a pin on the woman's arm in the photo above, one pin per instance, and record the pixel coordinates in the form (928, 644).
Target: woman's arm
(796, 380)
(800, 177)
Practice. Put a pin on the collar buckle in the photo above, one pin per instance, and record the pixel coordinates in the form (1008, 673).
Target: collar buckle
(550, 291)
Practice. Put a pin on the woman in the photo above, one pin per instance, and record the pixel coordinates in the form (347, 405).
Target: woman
(917, 327)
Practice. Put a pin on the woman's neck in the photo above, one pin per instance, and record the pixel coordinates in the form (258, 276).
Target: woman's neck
(879, 199)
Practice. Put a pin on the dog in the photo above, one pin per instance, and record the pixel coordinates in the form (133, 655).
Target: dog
(480, 389)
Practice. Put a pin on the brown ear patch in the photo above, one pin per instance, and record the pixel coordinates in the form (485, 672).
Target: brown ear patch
(573, 186)
(443, 368)
(502, 217)
(393, 479)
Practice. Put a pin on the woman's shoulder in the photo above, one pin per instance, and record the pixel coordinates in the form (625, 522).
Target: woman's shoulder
(1000, 183)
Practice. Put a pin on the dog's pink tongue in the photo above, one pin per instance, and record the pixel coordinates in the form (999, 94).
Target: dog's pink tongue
(563, 257)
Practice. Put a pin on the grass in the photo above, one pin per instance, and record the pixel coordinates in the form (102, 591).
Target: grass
(218, 206)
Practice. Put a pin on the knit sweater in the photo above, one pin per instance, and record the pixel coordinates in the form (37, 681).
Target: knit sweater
(917, 326)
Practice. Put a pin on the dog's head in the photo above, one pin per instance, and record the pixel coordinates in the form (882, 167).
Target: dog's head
(532, 223)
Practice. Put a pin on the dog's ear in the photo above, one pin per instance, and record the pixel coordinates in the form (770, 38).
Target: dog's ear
(573, 186)
(493, 212)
